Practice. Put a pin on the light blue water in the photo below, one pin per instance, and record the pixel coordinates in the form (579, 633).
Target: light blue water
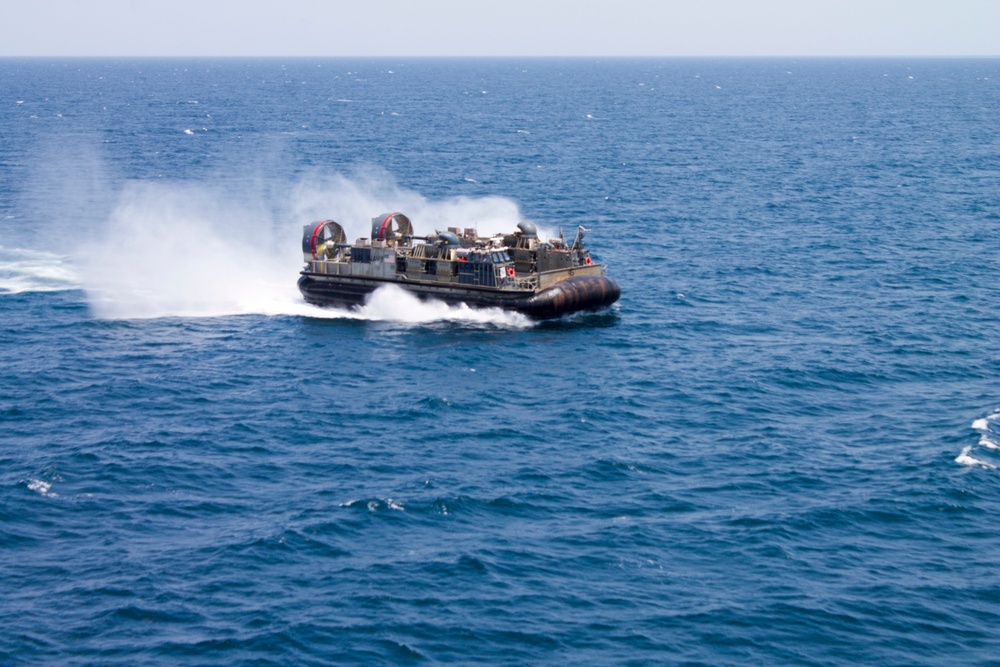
(780, 447)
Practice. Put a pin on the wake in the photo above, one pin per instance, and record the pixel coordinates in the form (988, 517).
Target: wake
(23, 270)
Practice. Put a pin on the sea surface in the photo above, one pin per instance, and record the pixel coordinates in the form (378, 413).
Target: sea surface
(780, 447)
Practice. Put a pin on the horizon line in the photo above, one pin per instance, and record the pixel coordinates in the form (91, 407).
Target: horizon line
(510, 56)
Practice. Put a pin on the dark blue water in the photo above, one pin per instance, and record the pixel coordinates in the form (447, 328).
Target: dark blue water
(780, 447)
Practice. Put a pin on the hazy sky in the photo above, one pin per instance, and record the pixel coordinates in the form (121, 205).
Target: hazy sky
(499, 27)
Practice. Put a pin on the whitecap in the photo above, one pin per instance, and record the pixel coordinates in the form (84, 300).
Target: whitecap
(987, 442)
(966, 459)
(40, 486)
(981, 424)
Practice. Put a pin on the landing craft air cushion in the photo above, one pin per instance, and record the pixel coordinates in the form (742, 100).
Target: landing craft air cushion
(518, 271)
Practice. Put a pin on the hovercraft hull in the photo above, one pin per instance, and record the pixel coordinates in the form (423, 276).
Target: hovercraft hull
(574, 294)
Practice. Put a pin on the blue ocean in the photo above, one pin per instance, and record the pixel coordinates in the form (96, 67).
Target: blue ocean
(780, 447)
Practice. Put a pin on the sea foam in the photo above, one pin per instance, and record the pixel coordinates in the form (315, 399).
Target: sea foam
(965, 458)
(23, 270)
(987, 441)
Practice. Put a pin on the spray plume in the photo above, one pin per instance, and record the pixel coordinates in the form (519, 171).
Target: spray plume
(186, 250)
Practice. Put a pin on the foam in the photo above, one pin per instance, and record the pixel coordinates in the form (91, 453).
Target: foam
(395, 304)
(40, 487)
(966, 459)
(374, 505)
(23, 270)
(987, 442)
(394, 505)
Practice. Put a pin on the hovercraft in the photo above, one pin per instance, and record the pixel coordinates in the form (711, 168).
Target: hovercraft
(517, 271)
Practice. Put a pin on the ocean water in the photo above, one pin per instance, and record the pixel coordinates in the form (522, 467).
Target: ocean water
(779, 448)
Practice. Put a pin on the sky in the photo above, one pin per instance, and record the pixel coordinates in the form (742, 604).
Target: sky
(368, 28)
